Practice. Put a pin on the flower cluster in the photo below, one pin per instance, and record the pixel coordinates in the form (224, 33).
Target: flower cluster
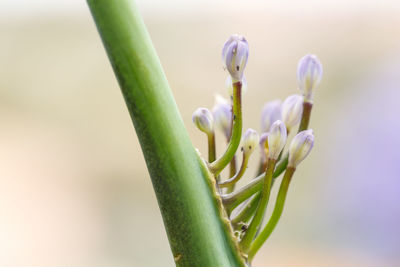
(246, 206)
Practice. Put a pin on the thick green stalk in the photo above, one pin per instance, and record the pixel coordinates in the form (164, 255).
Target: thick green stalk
(217, 166)
(276, 214)
(197, 232)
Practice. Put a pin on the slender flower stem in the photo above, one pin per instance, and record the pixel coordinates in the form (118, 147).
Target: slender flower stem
(232, 172)
(217, 166)
(211, 147)
(262, 205)
(234, 179)
(305, 117)
(232, 200)
(276, 214)
(248, 211)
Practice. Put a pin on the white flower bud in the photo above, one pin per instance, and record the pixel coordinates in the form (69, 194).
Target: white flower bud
(234, 56)
(271, 112)
(222, 112)
(276, 139)
(203, 119)
(229, 85)
(250, 140)
(292, 109)
(300, 147)
(309, 75)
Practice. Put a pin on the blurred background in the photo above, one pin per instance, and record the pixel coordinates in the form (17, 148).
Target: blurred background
(74, 189)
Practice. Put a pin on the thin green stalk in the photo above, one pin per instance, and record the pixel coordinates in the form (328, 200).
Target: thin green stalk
(189, 207)
(305, 117)
(211, 147)
(276, 214)
(232, 200)
(217, 166)
(232, 172)
(257, 219)
(248, 211)
(234, 179)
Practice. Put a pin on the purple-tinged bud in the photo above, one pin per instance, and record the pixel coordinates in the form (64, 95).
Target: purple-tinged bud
(309, 75)
(203, 119)
(271, 112)
(276, 139)
(300, 147)
(222, 112)
(229, 85)
(292, 109)
(250, 140)
(264, 145)
(234, 56)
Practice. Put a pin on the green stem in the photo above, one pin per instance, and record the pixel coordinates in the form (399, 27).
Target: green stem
(211, 147)
(234, 179)
(232, 200)
(232, 172)
(217, 166)
(276, 214)
(189, 207)
(305, 117)
(257, 219)
(248, 211)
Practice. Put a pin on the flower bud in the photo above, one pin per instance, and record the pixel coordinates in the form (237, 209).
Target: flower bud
(276, 139)
(234, 56)
(250, 140)
(300, 147)
(309, 75)
(222, 112)
(203, 119)
(229, 85)
(271, 112)
(292, 108)
(264, 145)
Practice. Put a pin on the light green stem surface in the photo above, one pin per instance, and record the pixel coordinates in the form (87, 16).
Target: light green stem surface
(276, 214)
(233, 180)
(248, 211)
(262, 205)
(198, 234)
(217, 166)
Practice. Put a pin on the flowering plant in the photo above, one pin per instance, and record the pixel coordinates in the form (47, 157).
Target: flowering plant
(208, 222)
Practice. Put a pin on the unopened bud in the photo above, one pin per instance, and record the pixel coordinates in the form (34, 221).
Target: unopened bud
(222, 112)
(292, 108)
(309, 75)
(234, 56)
(271, 112)
(264, 145)
(250, 140)
(203, 119)
(300, 147)
(276, 139)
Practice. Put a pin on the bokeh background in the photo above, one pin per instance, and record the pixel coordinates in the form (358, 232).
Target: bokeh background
(74, 189)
